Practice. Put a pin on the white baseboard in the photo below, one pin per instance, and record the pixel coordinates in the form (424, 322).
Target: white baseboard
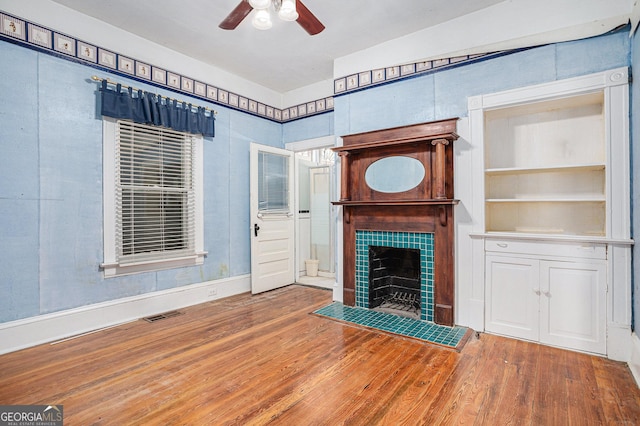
(618, 342)
(476, 315)
(28, 332)
(338, 292)
(634, 362)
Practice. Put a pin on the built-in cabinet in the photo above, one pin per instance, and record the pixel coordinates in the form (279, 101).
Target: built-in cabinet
(557, 300)
(552, 211)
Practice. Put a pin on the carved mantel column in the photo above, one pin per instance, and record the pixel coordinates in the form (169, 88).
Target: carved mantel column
(440, 172)
(344, 176)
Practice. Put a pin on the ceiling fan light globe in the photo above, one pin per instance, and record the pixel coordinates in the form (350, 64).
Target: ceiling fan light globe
(260, 4)
(288, 10)
(262, 20)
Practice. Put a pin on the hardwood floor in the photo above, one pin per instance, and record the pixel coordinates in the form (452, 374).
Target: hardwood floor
(256, 360)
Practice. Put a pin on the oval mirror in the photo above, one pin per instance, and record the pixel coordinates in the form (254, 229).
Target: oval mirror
(394, 174)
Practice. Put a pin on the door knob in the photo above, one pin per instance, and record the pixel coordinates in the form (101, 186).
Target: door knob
(256, 228)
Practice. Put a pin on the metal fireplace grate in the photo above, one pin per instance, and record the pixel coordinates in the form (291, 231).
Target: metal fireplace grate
(402, 302)
(394, 280)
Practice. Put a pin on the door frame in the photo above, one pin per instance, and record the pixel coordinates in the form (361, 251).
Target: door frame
(300, 146)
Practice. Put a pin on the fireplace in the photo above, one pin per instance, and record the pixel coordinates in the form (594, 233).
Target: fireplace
(390, 243)
(416, 218)
(394, 280)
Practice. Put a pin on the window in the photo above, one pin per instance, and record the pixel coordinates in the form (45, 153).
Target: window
(152, 198)
(273, 186)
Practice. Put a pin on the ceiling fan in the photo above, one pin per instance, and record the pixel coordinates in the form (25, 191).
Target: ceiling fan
(288, 10)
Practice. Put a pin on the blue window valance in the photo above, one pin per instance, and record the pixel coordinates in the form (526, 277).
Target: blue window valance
(149, 108)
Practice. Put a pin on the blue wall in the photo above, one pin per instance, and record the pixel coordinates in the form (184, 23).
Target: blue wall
(308, 128)
(443, 94)
(51, 167)
(51, 190)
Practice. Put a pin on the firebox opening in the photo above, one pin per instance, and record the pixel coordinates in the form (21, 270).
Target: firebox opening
(394, 280)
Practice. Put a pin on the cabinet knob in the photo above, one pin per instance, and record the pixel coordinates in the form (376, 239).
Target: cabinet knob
(503, 245)
(536, 291)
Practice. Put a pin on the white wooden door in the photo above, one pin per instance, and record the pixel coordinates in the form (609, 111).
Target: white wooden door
(512, 296)
(573, 305)
(272, 218)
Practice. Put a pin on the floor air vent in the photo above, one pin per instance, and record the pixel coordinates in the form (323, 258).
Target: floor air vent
(165, 315)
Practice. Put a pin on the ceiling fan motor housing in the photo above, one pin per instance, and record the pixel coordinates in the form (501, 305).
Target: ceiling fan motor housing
(287, 10)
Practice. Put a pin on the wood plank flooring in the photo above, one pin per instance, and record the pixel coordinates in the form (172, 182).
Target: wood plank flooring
(254, 360)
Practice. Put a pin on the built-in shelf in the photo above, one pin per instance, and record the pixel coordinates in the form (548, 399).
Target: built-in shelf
(542, 237)
(545, 170)
(595, 199)
(551, 195)
(548, 169)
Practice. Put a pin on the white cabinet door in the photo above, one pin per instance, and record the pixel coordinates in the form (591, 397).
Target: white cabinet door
(573, 305)
(512, 296)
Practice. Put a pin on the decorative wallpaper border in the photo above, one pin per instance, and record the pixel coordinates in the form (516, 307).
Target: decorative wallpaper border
(68, 47)
(379, 76)
(50, 41)
(371, 78)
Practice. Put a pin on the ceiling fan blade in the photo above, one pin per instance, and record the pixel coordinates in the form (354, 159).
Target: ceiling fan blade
(236, 16)
(307, 20)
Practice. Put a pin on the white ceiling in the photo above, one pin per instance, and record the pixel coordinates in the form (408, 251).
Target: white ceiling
(285, 57)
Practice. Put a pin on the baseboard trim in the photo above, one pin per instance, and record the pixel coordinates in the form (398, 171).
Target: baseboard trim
(618, 342)
(28, 332)
(634, 362)
(476, 315)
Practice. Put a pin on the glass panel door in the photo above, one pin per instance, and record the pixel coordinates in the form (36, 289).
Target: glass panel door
(273, 183)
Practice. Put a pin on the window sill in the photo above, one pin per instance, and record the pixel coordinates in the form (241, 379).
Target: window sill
(117, 270)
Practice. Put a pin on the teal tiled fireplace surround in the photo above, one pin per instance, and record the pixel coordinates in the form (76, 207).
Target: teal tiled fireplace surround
(423, 329)
(409, 240)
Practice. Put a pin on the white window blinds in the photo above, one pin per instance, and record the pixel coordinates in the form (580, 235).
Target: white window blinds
(155, 197)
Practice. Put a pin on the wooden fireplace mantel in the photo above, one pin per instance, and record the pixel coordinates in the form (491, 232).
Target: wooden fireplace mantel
(428, 207)
(430, 202)
(430, 143)
(443, 129)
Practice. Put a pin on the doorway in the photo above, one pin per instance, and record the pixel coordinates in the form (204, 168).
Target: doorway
(316, 217)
